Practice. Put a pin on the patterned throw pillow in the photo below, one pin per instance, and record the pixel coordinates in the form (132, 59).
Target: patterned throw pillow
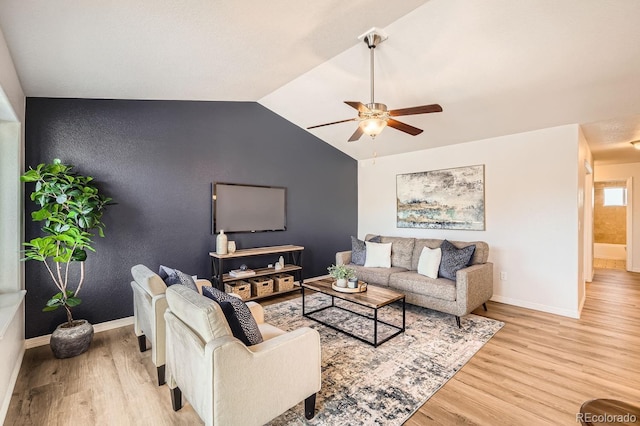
(242, 324)
(454, 259)
(187, 280)
(172, 276)
(359, 249)
(215, 294)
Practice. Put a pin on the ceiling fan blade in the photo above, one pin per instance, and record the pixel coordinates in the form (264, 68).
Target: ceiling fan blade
(423, 109)
(403, 127)
(358, 105)
(356, 135)
(335, 122)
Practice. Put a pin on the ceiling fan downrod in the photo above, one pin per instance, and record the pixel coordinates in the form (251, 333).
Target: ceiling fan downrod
(372, 40)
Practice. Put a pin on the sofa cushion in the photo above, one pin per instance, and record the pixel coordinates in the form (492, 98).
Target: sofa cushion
(412, 282)
(401, 251)
(454, 259)
(202, 315)
(378, 276)
(359, 250)
(429, 262)
(269, 331)
(378, 255)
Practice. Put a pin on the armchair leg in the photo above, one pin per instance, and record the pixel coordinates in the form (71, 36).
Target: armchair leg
(484, 305)
(458, 321)
(176, 398)
(142, 343)
(161, 379)
(310, 407)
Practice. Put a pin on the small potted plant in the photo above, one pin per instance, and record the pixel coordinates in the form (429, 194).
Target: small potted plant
(341, 273)
(71, 208)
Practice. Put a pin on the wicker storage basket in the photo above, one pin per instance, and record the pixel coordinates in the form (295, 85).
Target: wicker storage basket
(241, 288)
(282, 282)
(261, 286)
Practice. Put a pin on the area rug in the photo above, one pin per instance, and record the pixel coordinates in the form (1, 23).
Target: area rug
(385, 385)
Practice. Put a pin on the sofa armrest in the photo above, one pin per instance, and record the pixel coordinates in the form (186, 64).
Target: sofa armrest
(256, 311)
(474, 286)
(261, 374)
(201, 282)
(158, 347)
(343, 257)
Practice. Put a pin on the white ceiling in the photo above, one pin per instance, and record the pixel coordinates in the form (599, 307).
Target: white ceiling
(497, 67)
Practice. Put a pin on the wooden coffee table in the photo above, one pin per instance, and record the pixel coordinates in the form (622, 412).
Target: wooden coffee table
(374, 298)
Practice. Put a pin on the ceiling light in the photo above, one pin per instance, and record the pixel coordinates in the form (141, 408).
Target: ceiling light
(636, 144)
(373, 126)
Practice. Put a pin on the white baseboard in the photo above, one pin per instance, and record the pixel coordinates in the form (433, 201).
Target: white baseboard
(536, 306)
(97, 328)
(12, 384)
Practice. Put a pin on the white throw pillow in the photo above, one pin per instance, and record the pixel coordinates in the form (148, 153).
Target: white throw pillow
(378, 255)
(429, 262)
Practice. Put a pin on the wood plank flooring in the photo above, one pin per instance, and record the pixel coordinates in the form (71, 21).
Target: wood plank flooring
(610, 264)
(538, 369)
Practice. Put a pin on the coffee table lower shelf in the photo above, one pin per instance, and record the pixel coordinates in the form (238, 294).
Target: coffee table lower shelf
(376, 320)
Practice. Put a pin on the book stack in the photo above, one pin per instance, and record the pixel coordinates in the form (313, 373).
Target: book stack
(239, 273)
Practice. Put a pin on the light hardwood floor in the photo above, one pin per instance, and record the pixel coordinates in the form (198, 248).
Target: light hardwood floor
(610, 264)
(537, 370)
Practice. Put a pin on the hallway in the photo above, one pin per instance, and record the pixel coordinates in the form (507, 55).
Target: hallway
(609, 264)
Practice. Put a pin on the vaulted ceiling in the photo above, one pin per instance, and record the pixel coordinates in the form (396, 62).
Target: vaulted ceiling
(497, 67)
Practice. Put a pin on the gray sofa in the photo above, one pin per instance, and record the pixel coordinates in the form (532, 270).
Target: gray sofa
(473, 285)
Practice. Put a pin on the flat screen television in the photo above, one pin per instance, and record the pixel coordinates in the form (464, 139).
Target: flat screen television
(248, 208)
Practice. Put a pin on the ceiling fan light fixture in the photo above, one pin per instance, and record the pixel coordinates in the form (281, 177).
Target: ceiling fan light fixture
(373, 126)
(636, 144)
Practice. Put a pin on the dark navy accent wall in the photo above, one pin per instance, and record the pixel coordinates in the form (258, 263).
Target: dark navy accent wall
(157, 160)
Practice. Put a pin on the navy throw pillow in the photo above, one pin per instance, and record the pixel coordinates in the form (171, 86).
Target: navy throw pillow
(454, 259)
(215, 294)
(242, 324)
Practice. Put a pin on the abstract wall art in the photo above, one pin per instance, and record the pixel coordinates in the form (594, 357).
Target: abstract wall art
(442, 199)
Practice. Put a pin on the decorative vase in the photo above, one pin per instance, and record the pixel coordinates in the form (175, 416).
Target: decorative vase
(231, 247)
(341, 282)
(221, 243)
(281, 261)
(353, 283)
(67, 342)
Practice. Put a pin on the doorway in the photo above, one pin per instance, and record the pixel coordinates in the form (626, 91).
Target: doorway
(611, 224)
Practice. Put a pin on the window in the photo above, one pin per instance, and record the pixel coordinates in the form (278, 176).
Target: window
(615, 196)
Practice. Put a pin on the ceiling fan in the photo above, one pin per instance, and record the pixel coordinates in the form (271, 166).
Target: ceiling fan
(374, 117)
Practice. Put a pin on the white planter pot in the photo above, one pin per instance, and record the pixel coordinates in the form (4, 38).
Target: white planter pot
(341, 282)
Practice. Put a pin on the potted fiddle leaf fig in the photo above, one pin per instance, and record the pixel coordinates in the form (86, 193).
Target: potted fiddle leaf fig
(71, 209)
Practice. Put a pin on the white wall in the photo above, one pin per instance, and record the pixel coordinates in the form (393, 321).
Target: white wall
(12, 104)
(622, 172)
(532, 215)
(585, 217)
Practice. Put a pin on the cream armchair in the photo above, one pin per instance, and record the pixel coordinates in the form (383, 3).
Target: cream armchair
(149, 304)
(226, 382)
